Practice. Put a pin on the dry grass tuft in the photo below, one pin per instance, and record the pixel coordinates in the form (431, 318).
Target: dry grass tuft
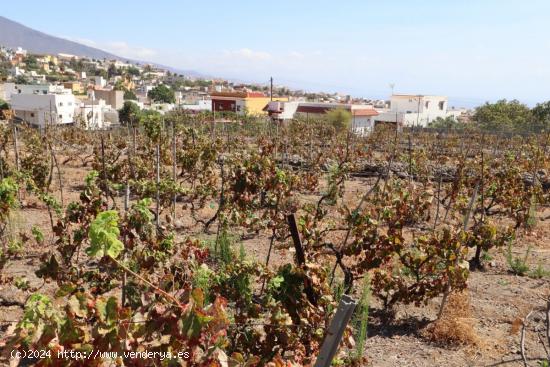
(456, 325)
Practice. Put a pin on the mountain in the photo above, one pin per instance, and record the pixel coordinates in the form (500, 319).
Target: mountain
(13, 35)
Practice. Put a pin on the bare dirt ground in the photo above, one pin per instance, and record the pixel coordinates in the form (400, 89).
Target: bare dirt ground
(498, 298)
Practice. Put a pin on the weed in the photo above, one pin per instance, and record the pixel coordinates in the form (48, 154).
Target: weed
(503, 283)
(223, 247)
(203, 279)
(485, 256)
(22, 283)
(242, 252)
(361, 321)
(37, 234)
(15, 247)
(539, 272)
(518, 265)
(532, 214)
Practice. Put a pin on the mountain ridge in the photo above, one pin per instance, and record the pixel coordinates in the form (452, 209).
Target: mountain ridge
(14, 34)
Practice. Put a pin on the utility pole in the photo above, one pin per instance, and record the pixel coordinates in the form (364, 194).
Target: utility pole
(271, 88)
(418, 110)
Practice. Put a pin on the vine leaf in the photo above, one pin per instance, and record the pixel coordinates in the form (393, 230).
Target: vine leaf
(104, 234)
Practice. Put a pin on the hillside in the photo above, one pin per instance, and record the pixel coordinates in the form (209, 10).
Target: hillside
(13, 34)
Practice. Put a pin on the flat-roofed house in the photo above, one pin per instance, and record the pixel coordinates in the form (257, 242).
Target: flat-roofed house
(44, 109)
(414, 110)
(244, 102)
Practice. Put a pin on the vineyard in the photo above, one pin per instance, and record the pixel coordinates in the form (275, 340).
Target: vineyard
(235, 240)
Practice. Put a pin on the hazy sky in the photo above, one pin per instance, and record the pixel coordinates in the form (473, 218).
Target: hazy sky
(470, 50)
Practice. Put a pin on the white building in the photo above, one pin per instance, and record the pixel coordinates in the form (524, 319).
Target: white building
(363, 119)
(281, 110)
(39, 89)
(200, 106)
(145, 89)
(17, 71)
(6, 90)
(121, 64)
(162, 108)
(43, 109)
(67, 57)
(96, 114)
(21, 51)
(362, 116)
(98, 81)
(414, 110)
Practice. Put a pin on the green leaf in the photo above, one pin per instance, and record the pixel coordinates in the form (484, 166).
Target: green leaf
(104, 234)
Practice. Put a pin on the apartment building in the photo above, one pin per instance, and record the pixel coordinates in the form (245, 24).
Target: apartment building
(414, 110)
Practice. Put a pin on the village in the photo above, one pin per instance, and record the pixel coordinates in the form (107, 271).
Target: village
(66, 89)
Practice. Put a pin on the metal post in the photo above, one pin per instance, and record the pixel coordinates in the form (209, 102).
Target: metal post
(271, 88)
(336, 331)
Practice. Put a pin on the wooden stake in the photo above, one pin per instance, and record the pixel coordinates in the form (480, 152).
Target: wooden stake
(301, 258)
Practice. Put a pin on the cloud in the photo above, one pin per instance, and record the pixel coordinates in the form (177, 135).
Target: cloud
(297, 55)
(123, 49)
(118, 48)
(247, 54)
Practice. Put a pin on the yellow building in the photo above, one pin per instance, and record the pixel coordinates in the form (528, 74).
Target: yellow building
(76, 87)
(252, 103)
(51, 58)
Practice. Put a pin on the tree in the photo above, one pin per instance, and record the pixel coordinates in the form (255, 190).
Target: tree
(132, 70)
(541, 116)
(4, 105)
(112, 71)
(340, 119)
(128, 94)
(503, 115)
(21, 79)
(103, 73)
(119, 85)
(162, 94)
(31, 62)
(449, 122)
(129, 113)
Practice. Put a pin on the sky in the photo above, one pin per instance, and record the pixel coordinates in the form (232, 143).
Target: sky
(470, 50)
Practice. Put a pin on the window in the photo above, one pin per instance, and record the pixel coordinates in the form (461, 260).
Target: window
(427, 104)
(442, 105)
(61, 117)
(70, 103)
(60, 104)
(32, 114)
